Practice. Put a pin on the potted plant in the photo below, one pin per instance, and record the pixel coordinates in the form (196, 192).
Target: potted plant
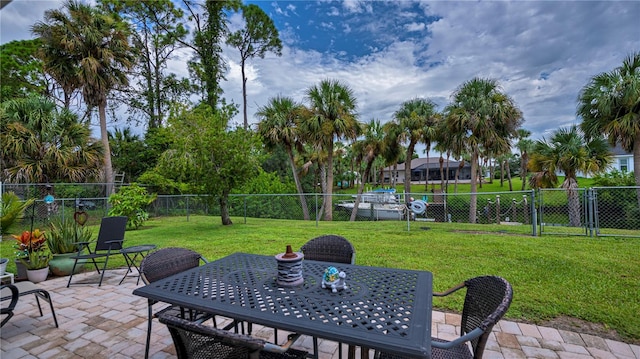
(61, 239)
(34, 254)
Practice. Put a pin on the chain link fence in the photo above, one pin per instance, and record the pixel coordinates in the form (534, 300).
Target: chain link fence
(602, 211)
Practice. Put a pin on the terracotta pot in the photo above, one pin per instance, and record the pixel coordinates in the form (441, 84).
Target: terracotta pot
(37, 275)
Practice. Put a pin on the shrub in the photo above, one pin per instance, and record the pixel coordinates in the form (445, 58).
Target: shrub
(10, 210)
(131, 201)
(63, 234)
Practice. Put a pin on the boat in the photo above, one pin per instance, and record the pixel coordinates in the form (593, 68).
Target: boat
(379, 204)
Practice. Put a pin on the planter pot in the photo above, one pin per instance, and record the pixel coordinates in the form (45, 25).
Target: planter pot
(21, 270)
(62, 264)
(37, 275)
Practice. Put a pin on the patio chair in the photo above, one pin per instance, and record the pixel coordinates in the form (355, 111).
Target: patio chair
(8, 310)
(161, 264)
(329, 248)
(25, 288)
(194, 340)
(487, 299)
(109, 242)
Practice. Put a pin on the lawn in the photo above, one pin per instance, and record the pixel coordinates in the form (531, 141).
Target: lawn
(592, 279)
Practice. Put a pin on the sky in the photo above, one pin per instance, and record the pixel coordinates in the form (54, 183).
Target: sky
(542, 53)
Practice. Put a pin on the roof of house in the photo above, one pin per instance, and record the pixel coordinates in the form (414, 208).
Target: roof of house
(422, 163)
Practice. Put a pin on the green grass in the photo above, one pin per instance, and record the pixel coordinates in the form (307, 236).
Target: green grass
(593, 279)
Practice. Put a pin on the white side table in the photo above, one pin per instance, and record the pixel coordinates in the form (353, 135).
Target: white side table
(5, 276)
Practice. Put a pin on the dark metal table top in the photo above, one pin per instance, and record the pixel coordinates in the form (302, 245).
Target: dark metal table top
(383, 308)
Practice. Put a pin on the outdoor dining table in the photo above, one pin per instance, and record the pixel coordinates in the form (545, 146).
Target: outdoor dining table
(382, 308)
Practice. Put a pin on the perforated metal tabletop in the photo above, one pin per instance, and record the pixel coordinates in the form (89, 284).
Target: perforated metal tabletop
(383, 308)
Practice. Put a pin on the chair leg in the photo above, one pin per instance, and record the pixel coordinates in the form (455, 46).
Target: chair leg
(146, 348)
(38, 301)
(104, 269)
(47, 297)
(72, 271)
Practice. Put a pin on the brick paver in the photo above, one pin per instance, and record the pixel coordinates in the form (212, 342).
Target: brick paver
(110, 322)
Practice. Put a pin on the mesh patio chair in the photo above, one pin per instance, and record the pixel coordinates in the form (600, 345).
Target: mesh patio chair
(26, 288)
(8, 310)
(194, 340)
(488, 298)
(329, 248)
(109, 243)
(161, 264)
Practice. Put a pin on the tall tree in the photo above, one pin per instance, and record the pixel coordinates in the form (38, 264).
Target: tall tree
(412, 119)
(96, 43)
(481, 117)
(367, 150)
(569, 152)
(214, 160)
(278, 126)
(332, 117)
(40, 144)
(610, 104)
(258, 37)
(207, 65)
(157, 30)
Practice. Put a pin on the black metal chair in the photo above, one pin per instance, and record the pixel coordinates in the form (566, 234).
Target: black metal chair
(25, 288)
(488, 298)
(329, 248)
(161, 264)
(8, 310)
(109, 242)
(194, 340)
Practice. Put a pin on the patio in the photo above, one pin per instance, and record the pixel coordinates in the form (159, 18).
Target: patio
(110, 322)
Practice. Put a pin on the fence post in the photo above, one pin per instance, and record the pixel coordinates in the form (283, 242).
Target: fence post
(245, 209)
(497, 209)
(188, 208)
(316, 195)
(590, 207)
(534, 219)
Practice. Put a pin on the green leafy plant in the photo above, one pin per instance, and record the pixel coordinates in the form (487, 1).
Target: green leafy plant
(131, 201)
(63, 234)
(32, 248)
(11, 209)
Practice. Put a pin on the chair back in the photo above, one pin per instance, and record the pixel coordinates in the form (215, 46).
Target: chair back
(166, 262)
(329, 248)
(194, 340)
(8, 291)
(111, 229)
(488, 298)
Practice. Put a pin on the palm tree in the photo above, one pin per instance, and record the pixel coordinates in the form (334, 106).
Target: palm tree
(610, 104)
(332, 117)
(429, 135)
(40, 144)
(412, 119)
(367, 150)
(481, 117)
(96, 44)
(568, 152)
(278, 126)
(525, 146)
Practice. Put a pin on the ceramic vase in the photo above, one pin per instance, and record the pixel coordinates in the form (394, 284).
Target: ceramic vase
(37, 275)
(62, 264)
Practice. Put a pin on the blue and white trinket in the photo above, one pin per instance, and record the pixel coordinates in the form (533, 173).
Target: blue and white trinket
(334, 279)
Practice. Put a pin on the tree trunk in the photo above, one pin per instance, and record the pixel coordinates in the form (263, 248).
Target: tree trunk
(501, 173)
(296, 179)
(524, 162)
(108, 169)
(244, 96)
(328, 201)
(224, 209)
(473, 200)
(407, 172)
(441, 172)
(508, 169)
(426, 179)
(573, 201)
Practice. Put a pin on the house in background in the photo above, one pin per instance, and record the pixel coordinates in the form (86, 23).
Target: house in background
(420, 167)
(622, 160)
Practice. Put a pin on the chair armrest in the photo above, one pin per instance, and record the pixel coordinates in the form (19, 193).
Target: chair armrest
(454, 343)
(15, 293)
(270, 347)
(449, 291)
